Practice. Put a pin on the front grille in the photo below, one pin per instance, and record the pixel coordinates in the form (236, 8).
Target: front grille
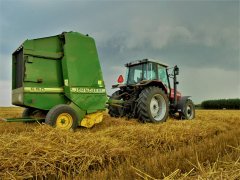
(19, 68)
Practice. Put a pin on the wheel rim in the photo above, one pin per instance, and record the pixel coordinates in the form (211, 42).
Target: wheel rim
(158, 107)
(64, 121)
(189, 111)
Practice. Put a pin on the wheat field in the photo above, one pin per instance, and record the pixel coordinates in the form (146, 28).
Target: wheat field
(207, 147)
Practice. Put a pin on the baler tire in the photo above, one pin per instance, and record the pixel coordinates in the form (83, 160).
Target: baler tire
(114, 111)
(62, 110)
(144, 105)
(188, 114)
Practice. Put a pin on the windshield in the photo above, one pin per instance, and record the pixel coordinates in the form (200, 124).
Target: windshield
(152, 71)
(146, 71)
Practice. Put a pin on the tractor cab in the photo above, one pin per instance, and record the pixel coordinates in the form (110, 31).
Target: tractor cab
(146, 70)
(150, 71)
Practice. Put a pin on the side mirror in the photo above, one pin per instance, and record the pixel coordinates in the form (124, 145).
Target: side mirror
(120, 79)
(176, 70)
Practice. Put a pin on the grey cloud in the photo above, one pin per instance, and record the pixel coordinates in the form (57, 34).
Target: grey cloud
(192, 34)
(209, 83)
(5, 67)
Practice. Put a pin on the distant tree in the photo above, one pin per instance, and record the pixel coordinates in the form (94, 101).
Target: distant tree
(198, 106)
(221, 104)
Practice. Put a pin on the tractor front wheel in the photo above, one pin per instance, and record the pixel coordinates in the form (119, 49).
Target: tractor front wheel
(153, 105)
(62, 117)
(189, 110)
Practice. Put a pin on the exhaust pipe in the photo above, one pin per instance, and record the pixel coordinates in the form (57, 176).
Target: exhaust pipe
(175, 83)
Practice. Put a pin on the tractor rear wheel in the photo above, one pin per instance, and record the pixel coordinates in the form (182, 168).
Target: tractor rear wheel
(189, 110)
(62, 117)
(153, 105)
(115, 111)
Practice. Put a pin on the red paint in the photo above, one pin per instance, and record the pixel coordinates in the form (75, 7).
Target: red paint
(172, 94)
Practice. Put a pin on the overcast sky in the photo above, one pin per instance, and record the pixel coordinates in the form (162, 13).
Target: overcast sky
(201, 37)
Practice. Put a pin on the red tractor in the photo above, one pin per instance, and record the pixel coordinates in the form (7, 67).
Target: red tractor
(147, 93)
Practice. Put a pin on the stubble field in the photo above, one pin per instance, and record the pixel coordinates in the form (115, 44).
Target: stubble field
(207, 147)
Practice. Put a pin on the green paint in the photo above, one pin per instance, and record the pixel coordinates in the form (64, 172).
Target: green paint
(61, 69)
(42, 90)
(23, 120)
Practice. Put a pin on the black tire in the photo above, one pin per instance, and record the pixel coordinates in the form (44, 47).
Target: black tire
(115, 111)
(151, 96)
(189, 110)
(69, 121)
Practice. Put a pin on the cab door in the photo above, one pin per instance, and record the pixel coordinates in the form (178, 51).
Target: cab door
(162, 76)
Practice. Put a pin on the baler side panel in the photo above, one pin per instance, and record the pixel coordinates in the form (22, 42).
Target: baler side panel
(59, 70)
(42, 85)
(49, 45)
(44, 101)
(44, 78)
(42, 72)
(82, 73)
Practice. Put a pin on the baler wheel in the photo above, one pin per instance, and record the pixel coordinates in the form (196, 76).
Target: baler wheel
(62, 117)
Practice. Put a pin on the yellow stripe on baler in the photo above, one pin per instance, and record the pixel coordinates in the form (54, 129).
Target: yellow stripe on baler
(43, 90)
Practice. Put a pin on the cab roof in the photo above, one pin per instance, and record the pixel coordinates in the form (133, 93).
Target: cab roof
(146, 61)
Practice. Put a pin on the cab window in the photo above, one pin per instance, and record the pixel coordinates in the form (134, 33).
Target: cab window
(162, 75)
(135, 74)
(152, 71)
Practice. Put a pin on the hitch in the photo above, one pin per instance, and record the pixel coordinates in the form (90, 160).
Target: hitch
(23, 119)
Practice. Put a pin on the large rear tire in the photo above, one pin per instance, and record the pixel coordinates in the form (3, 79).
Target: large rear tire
(62, 117)
(152, 105)
(115, 111)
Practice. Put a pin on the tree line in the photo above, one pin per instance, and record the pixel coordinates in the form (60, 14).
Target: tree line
(221, 104)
